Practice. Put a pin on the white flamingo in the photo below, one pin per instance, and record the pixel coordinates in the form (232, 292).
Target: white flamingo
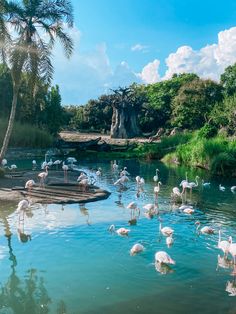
(221, 188)
(124, 172)
(132, 205)
(157, 189)
(121, 231)
(29, 185)
(156, 178)
(188, 210)
(166, 231)
(232, 251)
(22, 205)
(206, 184)
(223, 245)
(115, 166)
(205, 229)
(65, 168)
(169, 240)
(233, 188)
(4, 162)
(136, 248)
(42, 176)
(163, 258)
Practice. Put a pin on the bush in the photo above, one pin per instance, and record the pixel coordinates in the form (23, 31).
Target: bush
(207, 131)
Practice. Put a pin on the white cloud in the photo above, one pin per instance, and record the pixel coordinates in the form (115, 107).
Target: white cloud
(88, 74)
(139, 47)
(149, 73)
(208, 62)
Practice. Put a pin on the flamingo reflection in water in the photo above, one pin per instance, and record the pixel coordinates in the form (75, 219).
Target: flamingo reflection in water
(163, 269)
(223, 262)
(85, 212)
(231, 287)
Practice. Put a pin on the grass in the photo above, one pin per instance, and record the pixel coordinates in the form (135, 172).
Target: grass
(26, 135)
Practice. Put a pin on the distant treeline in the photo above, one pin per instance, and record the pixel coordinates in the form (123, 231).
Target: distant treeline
(184, 101)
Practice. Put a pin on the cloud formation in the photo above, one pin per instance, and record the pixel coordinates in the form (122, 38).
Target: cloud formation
(208, 62)
(88, 74)
(149, 73)
(139, 47)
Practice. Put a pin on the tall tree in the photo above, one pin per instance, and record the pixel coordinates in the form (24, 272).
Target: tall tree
(126, 104)
(37, 24)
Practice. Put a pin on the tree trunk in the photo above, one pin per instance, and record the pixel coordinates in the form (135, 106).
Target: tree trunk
(10, 123)
(124, 123)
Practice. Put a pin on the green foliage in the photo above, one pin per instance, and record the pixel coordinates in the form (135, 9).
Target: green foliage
(223, 114)
(26, 135)
(207, 131)
(216, 154)
(159, 98)
(194, 102)
(228, 80)
(167, 145)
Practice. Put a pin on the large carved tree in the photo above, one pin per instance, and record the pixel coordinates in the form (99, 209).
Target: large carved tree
(126, 104)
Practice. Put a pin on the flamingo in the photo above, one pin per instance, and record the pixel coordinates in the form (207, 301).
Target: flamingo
(57, 163)
(163, 258)
(121, 231)
(71, 160)
(232, 251)
(231, 288)
(50, 163)
(166, 231)
(29, 185)
(22, 205)
(34, 164)
(205, 229)
(82, 176)
(157, 189)
(188, 210)
(233, 188)
(44, 165)
(169, 240)
(85, 183)
(223, 245)
(124, 172)
(115, 166)
(155, 178)
(132, 205)
(13, 167)
(4, 162)
(138, 178)
(136, 248)
(65, 168)
(206, 184)
(221, 188)
(42, 176)
(99, 172)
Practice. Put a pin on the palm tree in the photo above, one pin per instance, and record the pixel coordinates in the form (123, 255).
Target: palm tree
(35, 25)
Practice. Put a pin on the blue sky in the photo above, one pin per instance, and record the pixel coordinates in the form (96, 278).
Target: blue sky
(118, 42)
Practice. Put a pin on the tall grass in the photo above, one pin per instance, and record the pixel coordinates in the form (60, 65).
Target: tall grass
(167, 145)
(26, 135)
(217, 154)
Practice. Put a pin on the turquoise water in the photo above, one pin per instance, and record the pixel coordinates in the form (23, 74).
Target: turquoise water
(73, 264)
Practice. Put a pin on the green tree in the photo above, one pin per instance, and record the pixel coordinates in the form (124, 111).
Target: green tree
(157, 108)
(228, 80)
(194, 102)
(37, 24)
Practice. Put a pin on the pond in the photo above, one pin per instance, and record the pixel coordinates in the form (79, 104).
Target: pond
(67, 261)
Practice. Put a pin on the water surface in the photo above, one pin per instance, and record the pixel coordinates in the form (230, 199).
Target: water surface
(73, 264)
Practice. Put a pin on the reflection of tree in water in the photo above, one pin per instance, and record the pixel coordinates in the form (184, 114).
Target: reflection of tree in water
(28, 295)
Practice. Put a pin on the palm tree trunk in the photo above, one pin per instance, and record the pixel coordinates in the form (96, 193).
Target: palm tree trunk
(10, 122)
